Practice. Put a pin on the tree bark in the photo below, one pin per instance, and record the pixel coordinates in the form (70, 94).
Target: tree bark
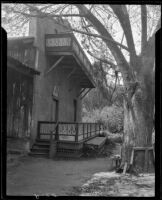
(138, 114)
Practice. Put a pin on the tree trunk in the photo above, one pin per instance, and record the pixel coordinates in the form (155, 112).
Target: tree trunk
(138, 119)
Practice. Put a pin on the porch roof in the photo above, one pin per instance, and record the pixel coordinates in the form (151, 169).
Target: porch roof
(21, 51)
(17, 65)
(13, 42)
(65, 44)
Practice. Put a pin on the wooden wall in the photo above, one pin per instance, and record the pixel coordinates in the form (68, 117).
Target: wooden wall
(19, 103)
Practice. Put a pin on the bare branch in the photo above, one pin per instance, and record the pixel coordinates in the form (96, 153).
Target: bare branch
(41, 15)
(122, 14)
(102, 37)
(103, 60)
(144, 27)
(116, 52)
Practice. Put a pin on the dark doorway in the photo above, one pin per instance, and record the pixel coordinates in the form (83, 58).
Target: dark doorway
(75, 110)
(55, 110)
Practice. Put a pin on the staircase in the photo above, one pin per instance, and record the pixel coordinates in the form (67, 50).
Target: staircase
(40, 148)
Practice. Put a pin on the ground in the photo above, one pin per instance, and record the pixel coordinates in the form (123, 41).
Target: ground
(114, 184)
(40, 176)
(29, 176)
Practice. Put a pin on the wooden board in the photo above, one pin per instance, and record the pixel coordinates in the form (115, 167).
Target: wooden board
(97, 141)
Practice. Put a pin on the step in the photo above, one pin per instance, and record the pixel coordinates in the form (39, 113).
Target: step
(38, 154)
(69, 155)
(39, 145)
(42, 142)
(97, 142)
(41, 150)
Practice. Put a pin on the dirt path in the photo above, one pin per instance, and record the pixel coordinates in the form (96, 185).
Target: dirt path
(41, 176)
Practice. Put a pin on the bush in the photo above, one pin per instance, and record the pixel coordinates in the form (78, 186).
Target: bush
(115, 116)
(111, 117)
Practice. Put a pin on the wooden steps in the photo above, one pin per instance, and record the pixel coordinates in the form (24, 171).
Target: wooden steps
(40, 148)
(94, 146)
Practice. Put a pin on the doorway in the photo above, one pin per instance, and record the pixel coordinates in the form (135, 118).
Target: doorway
(75, 110)
(55, 110)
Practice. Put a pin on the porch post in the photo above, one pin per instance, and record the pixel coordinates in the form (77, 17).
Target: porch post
(76, 135)
(38, 130)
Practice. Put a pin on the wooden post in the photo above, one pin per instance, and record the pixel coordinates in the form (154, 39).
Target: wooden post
(146, 160)
(83, 131)
(38, 130)
(132, 157)
(125, 168)
(76, 134)
(57, 132)
(53, 148)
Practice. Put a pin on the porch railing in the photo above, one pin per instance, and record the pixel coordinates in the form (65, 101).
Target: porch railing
(68, 131)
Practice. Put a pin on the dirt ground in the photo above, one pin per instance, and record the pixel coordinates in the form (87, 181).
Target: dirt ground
(119, 185)
(41, 176)
(90, 176)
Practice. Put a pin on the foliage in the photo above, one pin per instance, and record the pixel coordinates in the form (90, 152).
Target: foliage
(111, 117)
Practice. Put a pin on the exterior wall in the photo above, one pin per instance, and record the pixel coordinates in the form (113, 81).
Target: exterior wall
(43, 84)
(19, 103)
(19, 109)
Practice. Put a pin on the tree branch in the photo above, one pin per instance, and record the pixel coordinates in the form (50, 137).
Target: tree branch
(123, 17)
(116, 52)
(42, 15)
(99, 36)
(103, 60)
(144, 27)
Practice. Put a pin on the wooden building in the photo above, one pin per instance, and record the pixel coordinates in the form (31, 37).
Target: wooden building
(20, 79)
(51, 101)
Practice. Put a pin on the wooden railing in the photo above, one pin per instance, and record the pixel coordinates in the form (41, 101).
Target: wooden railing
(68, 131)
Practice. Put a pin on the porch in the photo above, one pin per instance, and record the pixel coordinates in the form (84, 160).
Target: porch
(64, 139)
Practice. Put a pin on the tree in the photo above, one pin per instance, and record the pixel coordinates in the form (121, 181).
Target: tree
(137, 70)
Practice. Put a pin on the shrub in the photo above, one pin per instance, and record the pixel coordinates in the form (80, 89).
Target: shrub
(111, 117)
(115, 118)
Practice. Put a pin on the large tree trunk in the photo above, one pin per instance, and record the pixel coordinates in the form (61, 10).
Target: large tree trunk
(138, 118)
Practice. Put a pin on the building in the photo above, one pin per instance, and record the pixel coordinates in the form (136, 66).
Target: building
(54, 75)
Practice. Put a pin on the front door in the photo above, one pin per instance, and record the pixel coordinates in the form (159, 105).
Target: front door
(55, 110)
(75, 110)
(54, 116)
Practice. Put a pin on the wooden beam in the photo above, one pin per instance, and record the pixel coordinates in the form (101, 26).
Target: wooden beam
(72, 72)
(132, 157)
(125, 167)
(82, 90)
(59, 53)
(55, 64)
(142, 148)
(86, 93)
